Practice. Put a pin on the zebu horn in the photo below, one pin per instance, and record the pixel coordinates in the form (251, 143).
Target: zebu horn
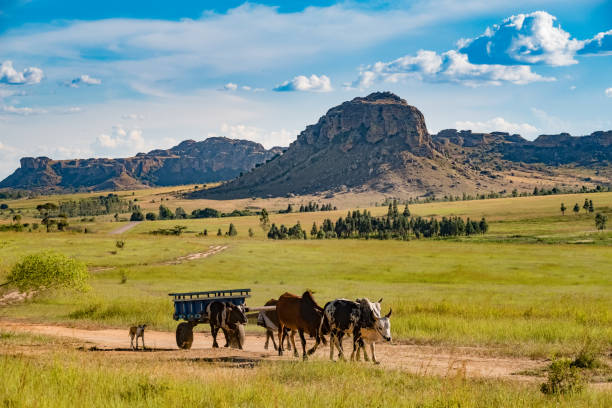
(389, 314)
(380, 301)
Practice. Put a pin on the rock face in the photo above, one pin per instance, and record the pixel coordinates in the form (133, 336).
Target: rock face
(380, 143)
(360, 142)
(214, 159)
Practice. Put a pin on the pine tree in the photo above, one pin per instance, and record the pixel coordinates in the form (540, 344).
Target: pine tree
(251, 233)
(264, 220)
(591, 209)
(535, 191)
(576, 208)
(232, 232)
(219, 233)
(563, 208)
(484, 226)
(314, 231)
(406, 212)
(585, 206)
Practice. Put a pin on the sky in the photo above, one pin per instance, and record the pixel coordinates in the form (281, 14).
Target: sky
(110, 79)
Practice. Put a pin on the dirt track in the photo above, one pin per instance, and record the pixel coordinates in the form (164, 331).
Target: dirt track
(126, 227)
(467, 362)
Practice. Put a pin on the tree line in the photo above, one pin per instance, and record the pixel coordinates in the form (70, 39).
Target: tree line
(395, 225)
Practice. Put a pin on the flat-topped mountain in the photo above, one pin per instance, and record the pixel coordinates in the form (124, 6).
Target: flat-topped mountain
(214, 159)
(381, 143)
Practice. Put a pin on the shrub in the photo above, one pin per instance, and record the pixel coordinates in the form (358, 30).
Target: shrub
(151, 216)
(563, 378)
(137, 216)
(46, 270)
(232, 232)
(120, 244)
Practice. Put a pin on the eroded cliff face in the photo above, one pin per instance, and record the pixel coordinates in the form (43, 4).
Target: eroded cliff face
(356, 143)
(213, 159)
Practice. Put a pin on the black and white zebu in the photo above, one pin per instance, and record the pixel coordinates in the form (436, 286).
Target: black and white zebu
(345, 317)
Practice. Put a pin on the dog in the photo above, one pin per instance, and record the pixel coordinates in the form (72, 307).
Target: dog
(137, 331)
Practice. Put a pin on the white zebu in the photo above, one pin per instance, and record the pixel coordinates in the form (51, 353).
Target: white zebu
(381, 331)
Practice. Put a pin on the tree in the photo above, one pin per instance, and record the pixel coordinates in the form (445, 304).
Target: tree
(264, 220)
(406, 212)
(314, 230)
(165, 213)
(4, 206)
(17, 218)
(48, 270)
(151, 216)
(484, 226)
(585, 206)
(180, 213)
(591, 208)
(137, 216)
(232, 232)
(563, 208)
(251, 233)
(576, 208)
(219, 233)
(535, 191)
(600, 221)
(62, 224)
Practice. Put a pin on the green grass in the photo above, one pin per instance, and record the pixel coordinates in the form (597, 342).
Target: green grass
(70, 379)
(521, 289)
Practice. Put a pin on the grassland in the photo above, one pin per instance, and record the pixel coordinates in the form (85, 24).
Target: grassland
(56, 376)
(539, 284)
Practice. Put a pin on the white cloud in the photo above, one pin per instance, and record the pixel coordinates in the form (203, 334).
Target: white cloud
(282, 137)
(84, 79)
(313, 83)
(120, 142)
(523, 39)
(599, 44)
(450, 66)
(499, 124)
(24, 111)
(230, 86)
(609, 92)
(8, 75)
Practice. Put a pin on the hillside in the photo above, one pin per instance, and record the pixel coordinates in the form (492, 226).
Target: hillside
(214, 159)
(380, 143)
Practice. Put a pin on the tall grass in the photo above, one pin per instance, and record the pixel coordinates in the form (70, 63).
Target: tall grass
(69, 380)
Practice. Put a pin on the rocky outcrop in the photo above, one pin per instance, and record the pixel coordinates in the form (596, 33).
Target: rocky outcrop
(552, 150)
(365, 141)
(214, 159)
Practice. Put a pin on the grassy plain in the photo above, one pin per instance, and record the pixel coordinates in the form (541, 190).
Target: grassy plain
(539, 284)
(57, 376)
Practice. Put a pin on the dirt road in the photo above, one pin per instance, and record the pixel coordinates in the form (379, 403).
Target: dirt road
(469, 362)
(125, 228)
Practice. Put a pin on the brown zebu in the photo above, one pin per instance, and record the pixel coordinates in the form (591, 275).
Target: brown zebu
(268, 319)
(301, 314)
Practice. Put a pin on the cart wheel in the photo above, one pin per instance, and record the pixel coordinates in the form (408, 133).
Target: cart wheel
(184, 335)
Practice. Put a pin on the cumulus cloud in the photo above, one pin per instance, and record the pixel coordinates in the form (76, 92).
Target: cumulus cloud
(313, 83)
(84, 79)
(499, 124)
(120, 141)
(282, 137)
(451, 66)
(523, 39)
(8, 75)
(609, 92)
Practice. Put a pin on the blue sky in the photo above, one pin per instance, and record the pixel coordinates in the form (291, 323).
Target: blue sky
(80, 79)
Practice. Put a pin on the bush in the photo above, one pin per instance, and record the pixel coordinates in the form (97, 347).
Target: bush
(151, 216)
(46, 270)
(137, 216)
(120, 244)
(563, 378)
